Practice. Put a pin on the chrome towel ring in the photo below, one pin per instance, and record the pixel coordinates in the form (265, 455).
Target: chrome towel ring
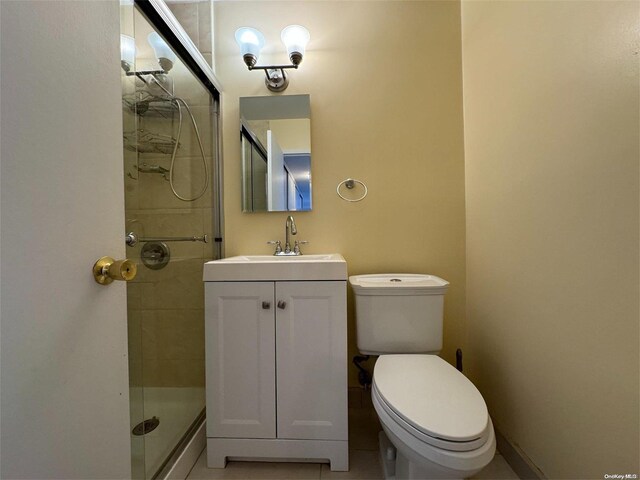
(350, 183)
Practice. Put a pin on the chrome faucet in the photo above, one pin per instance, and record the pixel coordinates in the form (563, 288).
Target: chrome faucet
(289, 229)
(289, 226)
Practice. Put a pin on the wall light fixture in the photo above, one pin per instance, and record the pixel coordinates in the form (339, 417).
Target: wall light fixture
(164, 55)
(251, 41)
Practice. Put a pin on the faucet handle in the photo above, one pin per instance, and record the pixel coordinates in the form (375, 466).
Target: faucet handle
(277, 244)
(296, 248)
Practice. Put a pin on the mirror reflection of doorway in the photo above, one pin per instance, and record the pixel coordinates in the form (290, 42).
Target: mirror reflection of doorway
(298, 166)
(274, 181)
(276, 153)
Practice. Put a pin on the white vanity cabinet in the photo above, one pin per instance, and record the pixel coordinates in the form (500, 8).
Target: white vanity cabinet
(276, 371)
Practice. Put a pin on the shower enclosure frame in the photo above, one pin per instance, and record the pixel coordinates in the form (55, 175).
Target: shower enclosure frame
(162, 19)
(164, 22)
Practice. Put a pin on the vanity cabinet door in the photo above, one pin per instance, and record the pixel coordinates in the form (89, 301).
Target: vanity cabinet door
(240, 346)
(311, 335)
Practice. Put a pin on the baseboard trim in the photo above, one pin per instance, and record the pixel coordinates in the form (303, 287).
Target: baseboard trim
(517, 459)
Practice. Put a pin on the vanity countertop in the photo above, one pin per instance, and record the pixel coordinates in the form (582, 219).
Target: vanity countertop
(276, 268)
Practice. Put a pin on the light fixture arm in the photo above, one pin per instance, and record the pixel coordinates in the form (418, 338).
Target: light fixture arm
(271, 67)
(276, 80)
(142, 73)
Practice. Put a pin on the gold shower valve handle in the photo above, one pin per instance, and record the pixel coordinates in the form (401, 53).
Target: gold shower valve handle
(106, 270)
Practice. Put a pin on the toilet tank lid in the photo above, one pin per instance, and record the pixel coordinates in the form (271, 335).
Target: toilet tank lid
(398, 284)
(432, 396)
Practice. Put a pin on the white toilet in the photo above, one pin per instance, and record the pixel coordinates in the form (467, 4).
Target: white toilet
(435, 422)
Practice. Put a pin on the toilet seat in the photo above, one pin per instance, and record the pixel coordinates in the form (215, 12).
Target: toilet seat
(432, 401)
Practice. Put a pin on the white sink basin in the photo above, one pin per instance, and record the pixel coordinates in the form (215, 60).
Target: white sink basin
(330, 266)
(283, 258)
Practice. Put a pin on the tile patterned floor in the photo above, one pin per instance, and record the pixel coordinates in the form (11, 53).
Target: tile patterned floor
(364, 463)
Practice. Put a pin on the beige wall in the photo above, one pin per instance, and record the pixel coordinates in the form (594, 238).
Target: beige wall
(380, 112)
(551, 148)
(196, 17)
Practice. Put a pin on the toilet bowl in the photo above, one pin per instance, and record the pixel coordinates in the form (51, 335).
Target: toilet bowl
(435, 422)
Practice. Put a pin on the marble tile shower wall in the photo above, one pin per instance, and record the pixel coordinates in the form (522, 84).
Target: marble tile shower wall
(165, 307)
(197, 20)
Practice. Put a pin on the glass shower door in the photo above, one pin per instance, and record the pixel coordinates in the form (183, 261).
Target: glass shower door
(170, 132)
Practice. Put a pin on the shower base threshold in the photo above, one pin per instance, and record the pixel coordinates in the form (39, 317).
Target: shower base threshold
(176, 408)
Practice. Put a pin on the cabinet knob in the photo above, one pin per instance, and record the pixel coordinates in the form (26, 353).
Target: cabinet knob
(282, 304)
(266, 305)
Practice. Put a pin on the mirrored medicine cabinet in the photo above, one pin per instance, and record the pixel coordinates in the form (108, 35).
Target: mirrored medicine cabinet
(275, 132)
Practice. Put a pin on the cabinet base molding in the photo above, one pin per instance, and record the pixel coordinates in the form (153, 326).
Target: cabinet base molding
(334, 452)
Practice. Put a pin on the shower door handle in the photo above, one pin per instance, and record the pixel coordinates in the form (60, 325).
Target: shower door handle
(132, 239)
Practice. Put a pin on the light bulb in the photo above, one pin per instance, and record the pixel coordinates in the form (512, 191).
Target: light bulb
(250, 42)
(295, 38)
(163, 52)
(127, 52)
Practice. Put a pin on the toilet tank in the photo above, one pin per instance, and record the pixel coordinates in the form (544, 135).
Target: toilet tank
(398, 313)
